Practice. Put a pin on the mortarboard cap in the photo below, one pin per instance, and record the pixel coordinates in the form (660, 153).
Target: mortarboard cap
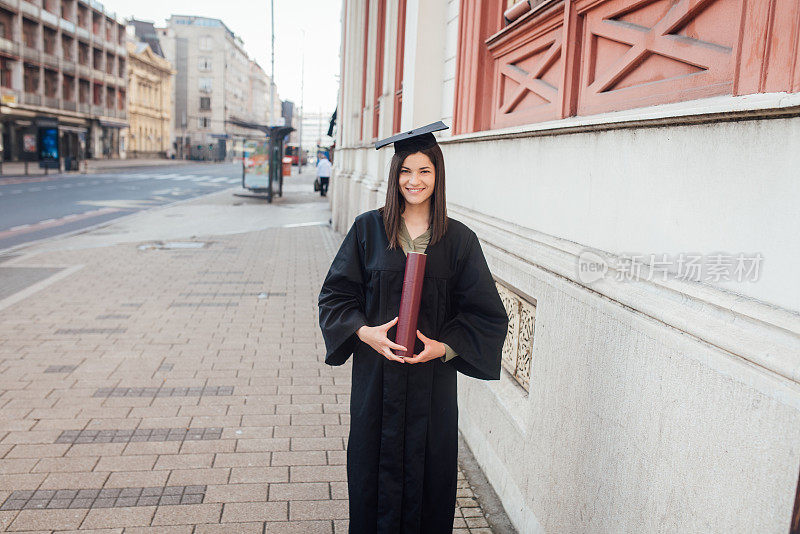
(413, 140)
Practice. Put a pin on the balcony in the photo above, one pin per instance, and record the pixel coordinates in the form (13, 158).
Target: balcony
(32, 99)
(11, 3)
(9, 47)
(30, 9)
(82, 32)
(51, 102)
(97, 110)
(50, 18)
(30, 54)
(50, 60)
(67, 66)
(67, 26)
(69, 106)
(84, 108)
(85, 71)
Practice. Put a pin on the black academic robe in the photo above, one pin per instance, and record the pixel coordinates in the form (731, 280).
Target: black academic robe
(402, 447)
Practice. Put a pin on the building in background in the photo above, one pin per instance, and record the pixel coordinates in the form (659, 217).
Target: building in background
(150, 106)
(62, 62)
(215, 83)
(314, 131)
(627, 167)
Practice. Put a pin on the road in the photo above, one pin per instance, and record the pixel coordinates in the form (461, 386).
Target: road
(38, 207)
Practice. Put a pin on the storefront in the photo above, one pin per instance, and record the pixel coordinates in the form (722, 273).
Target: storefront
(104, 139)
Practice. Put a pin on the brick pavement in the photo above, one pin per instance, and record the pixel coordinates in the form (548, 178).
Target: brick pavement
(178, 391)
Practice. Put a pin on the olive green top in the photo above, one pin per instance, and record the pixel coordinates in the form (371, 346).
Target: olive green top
(419, 245)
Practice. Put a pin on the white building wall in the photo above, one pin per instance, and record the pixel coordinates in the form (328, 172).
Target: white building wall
(652, 406)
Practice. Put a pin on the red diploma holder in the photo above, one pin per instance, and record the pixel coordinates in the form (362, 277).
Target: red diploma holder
(409, 303)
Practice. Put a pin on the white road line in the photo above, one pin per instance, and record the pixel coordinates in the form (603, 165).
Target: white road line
(34, 189)
(16, 191)
(46, 221)
(20, 227)
(183, 178)
(217, 180)
(234, 181)
(50, 187)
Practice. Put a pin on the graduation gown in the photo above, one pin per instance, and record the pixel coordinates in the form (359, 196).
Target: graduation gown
(402, 447)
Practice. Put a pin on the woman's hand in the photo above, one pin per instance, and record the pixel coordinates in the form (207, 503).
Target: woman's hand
(433, 349)
(375, 337)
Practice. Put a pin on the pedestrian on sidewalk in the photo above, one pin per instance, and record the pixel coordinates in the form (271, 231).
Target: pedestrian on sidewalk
(402, 450)
(323, 173)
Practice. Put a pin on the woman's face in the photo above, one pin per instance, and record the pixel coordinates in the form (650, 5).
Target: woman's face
(417, 176)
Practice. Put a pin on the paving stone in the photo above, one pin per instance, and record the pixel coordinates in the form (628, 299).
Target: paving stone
(254, 511)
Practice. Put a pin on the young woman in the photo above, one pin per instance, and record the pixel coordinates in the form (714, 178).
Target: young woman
(402, 448)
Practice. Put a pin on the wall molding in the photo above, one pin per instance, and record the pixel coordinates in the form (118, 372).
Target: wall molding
(765, 335)
(702, 111)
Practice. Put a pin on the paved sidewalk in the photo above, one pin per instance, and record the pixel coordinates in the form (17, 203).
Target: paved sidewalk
(178, 390)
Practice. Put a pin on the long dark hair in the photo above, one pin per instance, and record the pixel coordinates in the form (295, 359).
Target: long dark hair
(396, 203)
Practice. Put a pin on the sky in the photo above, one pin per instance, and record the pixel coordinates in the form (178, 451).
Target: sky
(320, 19)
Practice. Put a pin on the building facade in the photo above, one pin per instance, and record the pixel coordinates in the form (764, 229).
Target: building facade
(62, 62)
(630, 170)
(215, 83)
(149, 103)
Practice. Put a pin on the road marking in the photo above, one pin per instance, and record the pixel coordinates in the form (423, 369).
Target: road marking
(50, 223)
(217, 180)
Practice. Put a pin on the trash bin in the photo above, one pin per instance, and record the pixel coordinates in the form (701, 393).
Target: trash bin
(287, 165)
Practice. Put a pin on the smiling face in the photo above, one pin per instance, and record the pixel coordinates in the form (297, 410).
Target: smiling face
(417, 178)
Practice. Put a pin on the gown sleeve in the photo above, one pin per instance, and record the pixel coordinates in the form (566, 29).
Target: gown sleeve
(478, 329)
(342, 301)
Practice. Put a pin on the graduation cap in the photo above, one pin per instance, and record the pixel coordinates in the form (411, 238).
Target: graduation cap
(413, 140)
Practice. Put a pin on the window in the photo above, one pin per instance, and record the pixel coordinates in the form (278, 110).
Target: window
(49, 41)
(205, 103)
(5, 72)
(204, 63)
(30, 33)
(205, 43)
(66, 47)
(83, 53)
(203, 122)
(31, 78)
(204, 84)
